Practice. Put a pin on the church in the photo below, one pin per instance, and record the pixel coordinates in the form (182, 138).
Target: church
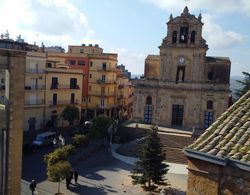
(182, 87)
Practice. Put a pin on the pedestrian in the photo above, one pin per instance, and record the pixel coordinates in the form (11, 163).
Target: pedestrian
(75, 176)
(33, 186)
(71, 175)
(67, 181)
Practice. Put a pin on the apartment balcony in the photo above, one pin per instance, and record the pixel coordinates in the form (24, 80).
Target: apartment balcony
(56, 87)
(34, 88)
(102, 94)
(34, 103)
(63, 103)
(107, 69)
(34, 71)
(100, 81)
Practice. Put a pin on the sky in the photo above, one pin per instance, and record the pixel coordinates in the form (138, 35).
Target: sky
(131, 28)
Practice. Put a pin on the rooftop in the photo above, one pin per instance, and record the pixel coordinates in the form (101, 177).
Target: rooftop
(229, 136)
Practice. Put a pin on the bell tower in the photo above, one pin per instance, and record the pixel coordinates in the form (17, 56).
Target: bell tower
(183, 50)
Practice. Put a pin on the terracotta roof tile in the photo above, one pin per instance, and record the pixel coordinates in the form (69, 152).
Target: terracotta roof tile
(229, 135)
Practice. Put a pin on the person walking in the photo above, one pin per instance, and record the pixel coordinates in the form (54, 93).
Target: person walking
(67, 182)
(33, 186)
(75, 176)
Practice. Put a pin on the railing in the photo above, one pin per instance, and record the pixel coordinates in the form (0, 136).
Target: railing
(34, 71)
(3, 100)
(107, 69)
(64, 87)
(34, 102)
(38, 87)
(102, 93)
(100, 81)
(63, 102)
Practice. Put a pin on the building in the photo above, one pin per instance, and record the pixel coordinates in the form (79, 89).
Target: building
(219, 160)
(35, 78)
(182, 87)
(124, 96)
(63, 88)
(12, 69)
(124, 71)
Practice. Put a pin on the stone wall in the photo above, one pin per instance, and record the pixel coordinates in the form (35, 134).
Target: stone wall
(207, 178)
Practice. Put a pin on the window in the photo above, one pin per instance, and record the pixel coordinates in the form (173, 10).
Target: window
(103, 78)
(81, 50)
(32, 123)
(193, 36)
(210, 76)
(148, 112)
(149, 100)
(2, 80)
(174, 38)
(54, 101)
(102, 102)
(49, 65)
(177, 115)
(54, 83)
(210, 105)
(90, 88)
(73, 83)
(184, 34)
(72, 98)
(70, 50)
(81, 63)
(90, 76)
(102, 90)
(72, 62)
(104, 65)
(208, 118)
(90, 63)
(89, 100)
(180, 75)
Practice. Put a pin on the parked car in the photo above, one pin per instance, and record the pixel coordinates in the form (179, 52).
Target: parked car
(28, 148)
(76, 131)
(44, 139)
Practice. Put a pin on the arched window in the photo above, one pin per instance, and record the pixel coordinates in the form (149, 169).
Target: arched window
(184, 33)
(174, 38)
(209, 104)
(193, 36)
(149, 100)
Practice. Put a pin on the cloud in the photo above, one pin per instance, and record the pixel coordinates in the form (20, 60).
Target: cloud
(52, 21)
(133, 61)
(221, 6)
(216, 37)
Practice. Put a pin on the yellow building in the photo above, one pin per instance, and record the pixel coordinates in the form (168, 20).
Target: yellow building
(63, 88)
(100, 72)
(34, 105)
(124, 96)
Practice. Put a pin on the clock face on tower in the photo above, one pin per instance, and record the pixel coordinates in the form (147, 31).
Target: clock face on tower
(181, 59)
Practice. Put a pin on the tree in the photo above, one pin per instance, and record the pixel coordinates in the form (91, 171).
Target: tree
(70, 113)
(100, 126)
(245, 85)
(58, 172)
(150, 167)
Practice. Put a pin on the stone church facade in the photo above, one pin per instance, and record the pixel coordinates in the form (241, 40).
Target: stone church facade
(182, 87)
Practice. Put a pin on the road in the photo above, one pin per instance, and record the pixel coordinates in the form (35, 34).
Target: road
(100, 174)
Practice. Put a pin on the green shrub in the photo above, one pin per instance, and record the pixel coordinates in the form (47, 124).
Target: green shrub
(80, 140)
(59, 154)
(58, 171)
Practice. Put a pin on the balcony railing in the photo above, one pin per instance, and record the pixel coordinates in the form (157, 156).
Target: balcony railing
(107, 69)
(38, 87)
(3, 100)
(63, 102)
(100, 81)
(64, 87)
(102, 93)
(34, 71)
(34, 102)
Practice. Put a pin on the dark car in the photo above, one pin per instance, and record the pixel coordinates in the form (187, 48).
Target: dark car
(28, 148)
(76, 131)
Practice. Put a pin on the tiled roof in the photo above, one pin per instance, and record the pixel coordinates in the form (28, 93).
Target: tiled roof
(229, 135)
